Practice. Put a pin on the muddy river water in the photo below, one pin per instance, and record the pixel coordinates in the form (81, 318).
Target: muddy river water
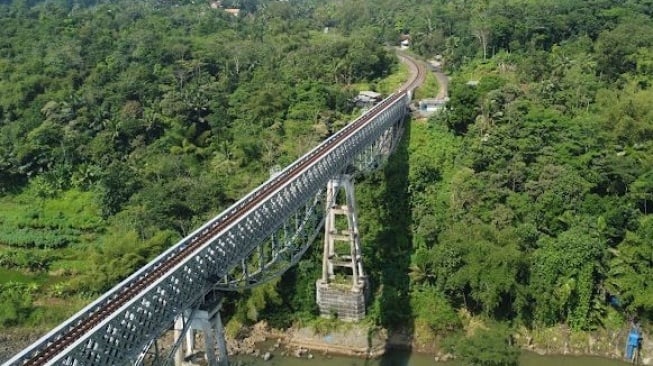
(400, 358)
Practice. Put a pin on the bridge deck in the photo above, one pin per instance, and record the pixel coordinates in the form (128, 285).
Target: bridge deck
(116, 327)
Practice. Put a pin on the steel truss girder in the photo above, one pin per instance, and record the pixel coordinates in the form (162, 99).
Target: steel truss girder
(283, 249)
(376, 154)
(122, 336)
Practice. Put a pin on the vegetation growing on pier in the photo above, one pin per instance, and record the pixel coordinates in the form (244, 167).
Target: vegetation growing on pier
(125, 125)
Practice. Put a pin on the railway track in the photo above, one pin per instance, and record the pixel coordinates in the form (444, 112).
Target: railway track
(189, 246)
(417, 69)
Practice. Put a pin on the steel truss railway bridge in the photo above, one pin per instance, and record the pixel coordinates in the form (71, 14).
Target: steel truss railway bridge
(254, 240)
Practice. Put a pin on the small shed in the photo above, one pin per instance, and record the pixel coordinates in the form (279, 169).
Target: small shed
(367, 98)
(435, 65)
(233, 11)
(404, 41)
(428, 107)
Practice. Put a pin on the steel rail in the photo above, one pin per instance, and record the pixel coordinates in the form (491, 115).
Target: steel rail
(57, 341)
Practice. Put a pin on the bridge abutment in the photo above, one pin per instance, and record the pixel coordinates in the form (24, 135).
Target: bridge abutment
(341, 292)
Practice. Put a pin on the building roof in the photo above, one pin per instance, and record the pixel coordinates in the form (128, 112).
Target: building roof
(233, 11)
(370, 94)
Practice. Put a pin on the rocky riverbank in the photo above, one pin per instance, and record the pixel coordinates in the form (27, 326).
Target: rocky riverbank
(561, 340)
(360, 340)
(369, 342)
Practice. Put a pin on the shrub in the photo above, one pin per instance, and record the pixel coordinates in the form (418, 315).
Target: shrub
(15, 304)
(431, 307)
(488, 347)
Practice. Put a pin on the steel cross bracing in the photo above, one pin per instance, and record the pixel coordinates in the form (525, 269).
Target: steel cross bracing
(280, 251)
(291, 240)
(375, 154)
(123, 332)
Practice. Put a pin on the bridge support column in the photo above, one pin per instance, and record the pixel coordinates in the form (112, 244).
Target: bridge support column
(341, 291)
(178, 333)
(209, 323)
(222, 343)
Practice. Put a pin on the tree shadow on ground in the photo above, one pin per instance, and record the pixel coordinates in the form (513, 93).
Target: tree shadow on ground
(388, 251)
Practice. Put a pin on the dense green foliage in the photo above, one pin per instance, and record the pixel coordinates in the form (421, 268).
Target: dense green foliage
(124, 126)
(16, 304)
(488, 347)
(529, 195)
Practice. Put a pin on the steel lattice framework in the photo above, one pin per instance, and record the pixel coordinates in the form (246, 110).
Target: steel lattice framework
(117, 327)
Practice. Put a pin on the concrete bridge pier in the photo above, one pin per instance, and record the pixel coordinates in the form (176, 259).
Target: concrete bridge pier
(341, 291)
(207, 321)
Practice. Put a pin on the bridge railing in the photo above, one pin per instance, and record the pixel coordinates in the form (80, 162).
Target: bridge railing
(152, 311)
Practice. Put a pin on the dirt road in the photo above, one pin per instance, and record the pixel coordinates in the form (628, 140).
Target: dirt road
(443, 80)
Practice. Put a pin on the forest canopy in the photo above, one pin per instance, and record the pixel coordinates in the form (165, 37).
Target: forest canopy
(124, 125)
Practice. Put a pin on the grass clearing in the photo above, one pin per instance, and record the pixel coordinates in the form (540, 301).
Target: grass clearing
(429, 89)
(11, 275)
(72, 209)
(51, 311)
(46, 240)
(389, 84)
(395, 80)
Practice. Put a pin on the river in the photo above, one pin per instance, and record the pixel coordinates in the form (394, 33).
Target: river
(400, 358)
